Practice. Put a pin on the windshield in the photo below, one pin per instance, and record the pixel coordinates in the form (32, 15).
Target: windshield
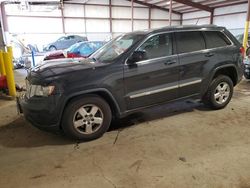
(73, 47)
(116, 47)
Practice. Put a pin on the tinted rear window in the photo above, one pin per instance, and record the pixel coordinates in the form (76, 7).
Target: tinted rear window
(189, 41)
(215, 39)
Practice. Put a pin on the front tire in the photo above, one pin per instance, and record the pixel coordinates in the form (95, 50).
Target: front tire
(219, 92)
(86, 118)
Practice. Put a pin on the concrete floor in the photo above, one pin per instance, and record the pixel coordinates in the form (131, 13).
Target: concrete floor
(181, 145)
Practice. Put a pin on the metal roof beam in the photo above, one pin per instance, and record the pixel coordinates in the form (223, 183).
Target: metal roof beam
(195, 5)
(153, 6)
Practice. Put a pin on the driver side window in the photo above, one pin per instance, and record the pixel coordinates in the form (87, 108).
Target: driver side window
(157, 46)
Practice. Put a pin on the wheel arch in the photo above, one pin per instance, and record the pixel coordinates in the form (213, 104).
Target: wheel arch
(228, 70)
(102, 92)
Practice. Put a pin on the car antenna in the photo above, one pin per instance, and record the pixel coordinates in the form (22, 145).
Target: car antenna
(197, 21)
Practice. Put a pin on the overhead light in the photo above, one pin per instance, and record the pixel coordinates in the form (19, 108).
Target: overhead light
(24, 5)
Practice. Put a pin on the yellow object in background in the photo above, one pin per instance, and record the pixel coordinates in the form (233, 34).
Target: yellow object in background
(9, 73)
(2, 68)
(246, 35)
(10, 51)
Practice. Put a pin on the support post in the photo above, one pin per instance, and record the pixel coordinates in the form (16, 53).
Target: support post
(10, 51)
(4, 25)
(149, 18)
(212, 17)
(9, 73)
(2, 68)
(246, 27)
(63, 22)
(33, 58)
(170, 12)
(110, 18)
(181, 19)
(132, 14)
(4, 18)
(85, 24)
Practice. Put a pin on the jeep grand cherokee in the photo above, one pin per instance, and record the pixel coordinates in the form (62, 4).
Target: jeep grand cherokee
(133, 71)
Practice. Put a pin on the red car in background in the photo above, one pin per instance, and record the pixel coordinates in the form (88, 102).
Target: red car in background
(81, 49)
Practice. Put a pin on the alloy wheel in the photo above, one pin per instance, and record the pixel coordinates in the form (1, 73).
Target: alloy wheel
(222, 93)
(88, 119)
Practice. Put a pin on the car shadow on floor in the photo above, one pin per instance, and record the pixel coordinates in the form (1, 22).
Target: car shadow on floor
(20, 133)
(158, 112)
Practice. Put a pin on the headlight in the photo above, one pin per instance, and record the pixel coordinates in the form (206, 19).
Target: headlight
(38, 90)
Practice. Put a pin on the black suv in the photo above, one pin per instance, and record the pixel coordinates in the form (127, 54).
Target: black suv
(134, 71)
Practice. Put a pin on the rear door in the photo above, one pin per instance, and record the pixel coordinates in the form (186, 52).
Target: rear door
(155, 78)
(220, 51)
(192, 59)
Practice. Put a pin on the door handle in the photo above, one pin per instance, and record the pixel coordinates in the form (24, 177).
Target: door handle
(209, 54)
(170, 62)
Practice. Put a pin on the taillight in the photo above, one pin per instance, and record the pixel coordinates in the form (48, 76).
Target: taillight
(71, 55)
(242, 51)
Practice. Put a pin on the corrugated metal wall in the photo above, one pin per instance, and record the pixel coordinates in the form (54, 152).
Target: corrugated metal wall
(232, 17)
(90, 20)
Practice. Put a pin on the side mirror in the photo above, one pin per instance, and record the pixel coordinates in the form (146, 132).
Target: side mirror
(136, 57)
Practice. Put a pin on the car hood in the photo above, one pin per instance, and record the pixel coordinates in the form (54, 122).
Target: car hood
(61, 67)
(55, 53)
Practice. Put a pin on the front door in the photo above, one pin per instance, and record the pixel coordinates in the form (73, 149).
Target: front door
(153, 79)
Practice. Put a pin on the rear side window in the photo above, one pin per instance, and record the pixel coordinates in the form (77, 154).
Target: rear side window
(189, 41)
(215, 39)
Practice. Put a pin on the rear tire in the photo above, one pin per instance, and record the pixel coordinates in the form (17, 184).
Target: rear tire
(219, 92)
(86, 118)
